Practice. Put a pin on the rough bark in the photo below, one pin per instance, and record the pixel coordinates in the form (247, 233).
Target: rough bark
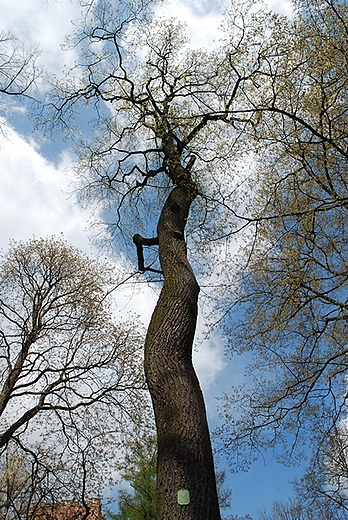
(185, 458)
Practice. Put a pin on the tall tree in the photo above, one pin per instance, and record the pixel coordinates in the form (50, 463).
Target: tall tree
(294, 290)
(71, 381)
(179, 123)
(165, 145)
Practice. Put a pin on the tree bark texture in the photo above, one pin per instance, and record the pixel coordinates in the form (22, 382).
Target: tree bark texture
(185, 460)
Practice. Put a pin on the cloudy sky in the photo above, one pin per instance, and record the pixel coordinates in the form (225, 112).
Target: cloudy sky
(35, 196)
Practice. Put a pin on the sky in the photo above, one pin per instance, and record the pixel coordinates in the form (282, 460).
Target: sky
(36, 200)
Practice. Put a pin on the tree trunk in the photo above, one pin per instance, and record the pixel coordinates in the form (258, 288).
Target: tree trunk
(185, 460)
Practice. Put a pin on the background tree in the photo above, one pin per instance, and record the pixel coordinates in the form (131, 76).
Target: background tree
(324, 483)
(25, 483)
(15, 478)
(19, 71)
(294, 290)
(71, 381)
(294, 510)
(139, 471)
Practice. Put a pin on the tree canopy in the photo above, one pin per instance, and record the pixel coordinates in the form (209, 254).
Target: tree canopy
(71, 381)
(293, 292)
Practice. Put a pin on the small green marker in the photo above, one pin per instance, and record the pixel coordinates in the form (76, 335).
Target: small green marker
(183, 497)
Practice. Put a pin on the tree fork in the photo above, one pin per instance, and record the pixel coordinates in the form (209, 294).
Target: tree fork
(185, 460)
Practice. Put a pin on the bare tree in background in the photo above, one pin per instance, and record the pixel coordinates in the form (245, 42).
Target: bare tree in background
(71, 384)
(293, 294)
(19, 71)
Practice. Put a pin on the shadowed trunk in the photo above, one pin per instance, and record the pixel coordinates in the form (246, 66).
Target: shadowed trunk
(185, 458)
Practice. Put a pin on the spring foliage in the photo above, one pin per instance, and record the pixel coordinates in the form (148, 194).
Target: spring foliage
(71, 382)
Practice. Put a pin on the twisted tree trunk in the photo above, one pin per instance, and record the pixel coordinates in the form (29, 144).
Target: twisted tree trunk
(185, 460)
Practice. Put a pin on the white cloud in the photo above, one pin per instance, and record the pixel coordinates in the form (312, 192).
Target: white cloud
(36, 200)
(209, 361)
(47, 23)
(202, 24)
(283, 7)
(43, 23)
(34, 196)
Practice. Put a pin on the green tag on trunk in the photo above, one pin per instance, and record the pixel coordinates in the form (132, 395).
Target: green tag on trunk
(183, 497)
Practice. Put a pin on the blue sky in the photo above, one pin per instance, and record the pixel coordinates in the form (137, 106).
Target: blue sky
(36, 199)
